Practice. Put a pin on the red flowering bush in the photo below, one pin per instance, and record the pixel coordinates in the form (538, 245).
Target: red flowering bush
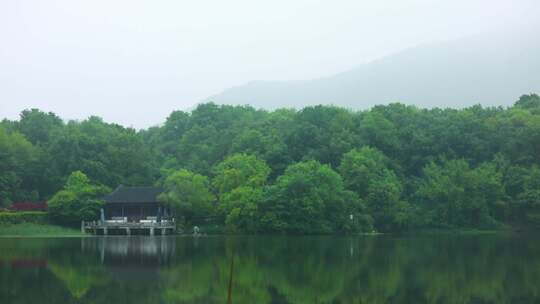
(29, 206)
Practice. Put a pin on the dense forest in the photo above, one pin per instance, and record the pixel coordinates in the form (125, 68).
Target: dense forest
(322, 169)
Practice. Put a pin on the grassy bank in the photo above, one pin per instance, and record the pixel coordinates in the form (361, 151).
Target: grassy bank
(37, 230)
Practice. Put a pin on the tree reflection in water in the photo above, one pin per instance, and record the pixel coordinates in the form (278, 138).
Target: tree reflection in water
(271, 269)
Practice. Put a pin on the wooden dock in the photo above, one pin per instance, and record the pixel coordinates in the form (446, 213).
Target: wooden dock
(128, 228)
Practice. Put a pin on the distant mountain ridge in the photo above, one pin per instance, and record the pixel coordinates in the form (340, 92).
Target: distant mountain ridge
(493, 70)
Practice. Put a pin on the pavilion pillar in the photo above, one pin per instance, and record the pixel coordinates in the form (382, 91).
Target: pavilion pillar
(163, 231)
(105, 232)
(128, 231)
(152, 231)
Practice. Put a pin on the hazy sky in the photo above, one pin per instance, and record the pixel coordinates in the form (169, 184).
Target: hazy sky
(133, 62)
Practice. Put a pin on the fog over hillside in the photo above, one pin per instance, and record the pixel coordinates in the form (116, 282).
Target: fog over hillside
(490, 69)
(133, 62)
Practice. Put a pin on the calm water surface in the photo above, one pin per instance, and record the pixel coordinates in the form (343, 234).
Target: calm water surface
(387, 269)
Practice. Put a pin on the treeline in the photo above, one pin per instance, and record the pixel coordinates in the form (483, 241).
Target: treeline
(321, 169)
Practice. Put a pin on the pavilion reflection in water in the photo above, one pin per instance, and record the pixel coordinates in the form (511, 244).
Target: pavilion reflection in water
(131, 251)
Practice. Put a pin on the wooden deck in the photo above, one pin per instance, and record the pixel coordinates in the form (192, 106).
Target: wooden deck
(128, 228)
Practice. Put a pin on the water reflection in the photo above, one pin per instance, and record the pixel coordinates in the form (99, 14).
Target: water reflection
(451, 269)
(131, 250)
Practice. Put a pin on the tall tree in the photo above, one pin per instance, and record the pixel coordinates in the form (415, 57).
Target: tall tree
(455, 195)
(239, 182)
(310, 198)
(531, 102)
(366, 172)
(39, 126)
(17, 160)
(239, 170)
(187, 193)
(80, 199)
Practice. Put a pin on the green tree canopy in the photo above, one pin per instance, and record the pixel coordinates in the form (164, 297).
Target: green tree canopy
(38, 126)
(239, 182)
(187, 193)
(310, 198)
(366, 171)
(239, 170)
(359, 167)
(390, 156)
(241, 208)
(80, 199)
(454, 194)
(17, 158)
(531, 101)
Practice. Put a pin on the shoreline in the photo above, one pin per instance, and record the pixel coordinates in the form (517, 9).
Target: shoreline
(47, 230)
(52, 231)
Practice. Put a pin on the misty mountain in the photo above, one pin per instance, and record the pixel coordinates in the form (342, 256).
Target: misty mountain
(488, 69)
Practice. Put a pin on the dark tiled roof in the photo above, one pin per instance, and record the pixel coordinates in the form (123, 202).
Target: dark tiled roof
(133, 195)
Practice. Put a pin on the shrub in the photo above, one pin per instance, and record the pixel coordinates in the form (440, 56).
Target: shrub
(11, 218)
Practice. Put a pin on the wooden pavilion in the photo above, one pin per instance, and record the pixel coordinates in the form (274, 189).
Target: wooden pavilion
(134, 204)
(132, 209)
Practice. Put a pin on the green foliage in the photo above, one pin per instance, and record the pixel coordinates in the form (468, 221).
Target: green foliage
(310, 198)
(530, 196)
(241, 208)
(360, 167)
(239, 170)
(38, 126)
(531, 101)
(239, 182)
(188, 193)
(17, 156)
(378, 131)
(13, 218)
(454, 195)
(366, 172)
(526, 201)
(384, 203)
(78, 200)
(108, 154)
(388, 156)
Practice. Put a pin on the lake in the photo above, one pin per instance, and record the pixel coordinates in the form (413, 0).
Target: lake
(271, 269)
